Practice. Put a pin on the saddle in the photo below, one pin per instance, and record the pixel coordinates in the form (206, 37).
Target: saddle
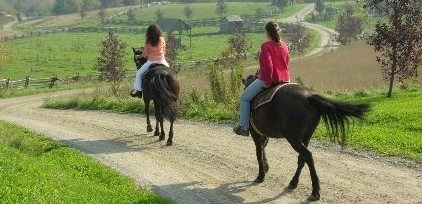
(266, 95)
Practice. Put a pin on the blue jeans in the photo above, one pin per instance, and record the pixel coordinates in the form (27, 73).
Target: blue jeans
(245, 101)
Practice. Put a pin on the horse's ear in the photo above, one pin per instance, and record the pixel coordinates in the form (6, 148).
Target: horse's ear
(134, 51)
(243, 81)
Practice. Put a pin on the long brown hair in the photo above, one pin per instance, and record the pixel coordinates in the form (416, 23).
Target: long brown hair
(153, 35)
(273, 31)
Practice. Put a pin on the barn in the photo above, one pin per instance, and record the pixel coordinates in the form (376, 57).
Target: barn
(171, 25)
(230, 24)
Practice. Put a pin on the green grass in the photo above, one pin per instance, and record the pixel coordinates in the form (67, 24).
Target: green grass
(35, 169)
(200, 10)
(393, 127)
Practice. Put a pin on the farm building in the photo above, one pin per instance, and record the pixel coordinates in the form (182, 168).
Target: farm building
(230, 24)
(170, 25)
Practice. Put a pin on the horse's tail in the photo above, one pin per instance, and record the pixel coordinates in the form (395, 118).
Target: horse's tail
(337, 115)
(164, 93)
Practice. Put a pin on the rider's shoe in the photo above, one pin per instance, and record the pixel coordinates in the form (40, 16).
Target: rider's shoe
(242, 131)
(136, 93)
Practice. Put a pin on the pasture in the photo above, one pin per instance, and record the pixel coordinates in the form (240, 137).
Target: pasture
(65, 54)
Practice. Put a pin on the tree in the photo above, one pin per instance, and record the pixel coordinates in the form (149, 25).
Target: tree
(398, 40)
(238, 44)
(66, 6)
(187, 10)
(173, 48)
(159, 13)
(348, 27)
(280, 3)
(319, 6)
(102, 14)
(221, 8)
(83, 13)
(299, 38)
(131, 15)
(5, 52)
(111, 60)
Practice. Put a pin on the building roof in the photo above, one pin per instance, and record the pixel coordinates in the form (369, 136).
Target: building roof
(173, 24)
(233, 18)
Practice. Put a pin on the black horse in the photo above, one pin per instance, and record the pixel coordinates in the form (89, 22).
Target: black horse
(294, 113)
(161, 85)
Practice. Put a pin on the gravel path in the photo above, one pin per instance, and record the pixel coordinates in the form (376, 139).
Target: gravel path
(209, 164)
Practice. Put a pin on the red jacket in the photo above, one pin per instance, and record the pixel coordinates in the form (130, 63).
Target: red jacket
(274, 63)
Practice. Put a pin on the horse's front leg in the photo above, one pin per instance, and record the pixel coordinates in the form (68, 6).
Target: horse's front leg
(259, 146)
(147, 102)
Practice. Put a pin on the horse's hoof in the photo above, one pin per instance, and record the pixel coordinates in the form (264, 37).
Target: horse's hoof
(156, 133)
(266, 168)
(259, 180)
(292, 186)
(169, 143)
(314, 197)
(149, 129)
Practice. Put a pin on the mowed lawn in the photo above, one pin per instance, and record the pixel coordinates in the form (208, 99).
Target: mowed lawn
(35, 169)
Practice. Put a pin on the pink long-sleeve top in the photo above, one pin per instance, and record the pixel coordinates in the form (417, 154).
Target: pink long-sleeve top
(274, 63)
(156, 53)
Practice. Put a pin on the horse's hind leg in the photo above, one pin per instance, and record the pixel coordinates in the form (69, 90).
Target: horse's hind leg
(147, 102)
(157, 120)
(300, 163)
(170, 139)
(306, 156)
(260, 143)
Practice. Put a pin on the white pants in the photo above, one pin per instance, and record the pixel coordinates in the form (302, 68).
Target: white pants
(138, 77)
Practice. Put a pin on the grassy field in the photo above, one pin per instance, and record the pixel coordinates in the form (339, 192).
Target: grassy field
(35, 169)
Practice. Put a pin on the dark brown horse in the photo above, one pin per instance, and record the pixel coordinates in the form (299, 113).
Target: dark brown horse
(160, 84)
(294, 113)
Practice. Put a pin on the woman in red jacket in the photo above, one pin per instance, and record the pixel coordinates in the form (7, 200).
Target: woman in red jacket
(273, 68)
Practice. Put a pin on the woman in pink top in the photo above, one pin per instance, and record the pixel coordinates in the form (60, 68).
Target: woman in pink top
(154, 51)
(273, 69)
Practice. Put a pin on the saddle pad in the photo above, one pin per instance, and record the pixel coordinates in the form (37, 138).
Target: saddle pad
(266, 96)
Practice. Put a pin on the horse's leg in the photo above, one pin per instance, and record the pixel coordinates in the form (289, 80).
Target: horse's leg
(260, 155)
(264, 143)
(170, 139)
(147, 102)
(300, 163)
(162, 134)
(157, 120)
(306, 155)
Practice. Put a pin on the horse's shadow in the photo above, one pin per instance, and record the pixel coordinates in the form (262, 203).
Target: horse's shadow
(115, 145)
(225, 193)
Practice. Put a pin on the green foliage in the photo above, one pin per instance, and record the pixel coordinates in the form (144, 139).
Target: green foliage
(36, 169)
(399, 40)
(221, 8)
(110, 62)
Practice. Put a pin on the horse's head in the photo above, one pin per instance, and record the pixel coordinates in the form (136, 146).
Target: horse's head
(139, 61)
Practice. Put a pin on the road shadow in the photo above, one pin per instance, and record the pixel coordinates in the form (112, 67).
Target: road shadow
(133, 143)
(193, 192)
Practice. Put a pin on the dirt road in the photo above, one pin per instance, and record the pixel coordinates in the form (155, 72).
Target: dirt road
(327, 42)
(209, 164)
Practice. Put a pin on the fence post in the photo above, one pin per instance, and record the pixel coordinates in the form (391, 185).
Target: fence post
(8, 83)
(53, 80)
(26, 82)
